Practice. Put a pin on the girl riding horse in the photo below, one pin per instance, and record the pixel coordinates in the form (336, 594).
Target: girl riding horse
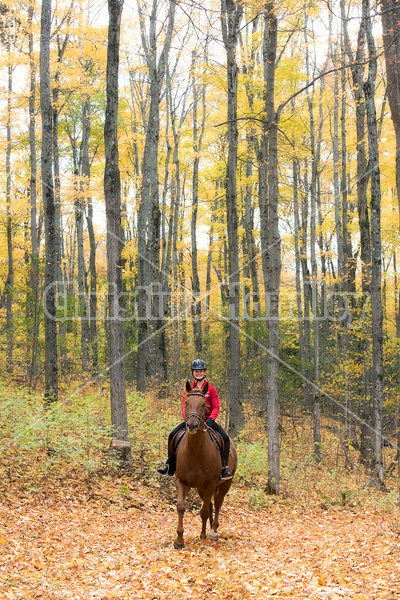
(199, 372)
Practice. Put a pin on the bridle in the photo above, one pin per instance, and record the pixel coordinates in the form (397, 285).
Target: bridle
(199, 419)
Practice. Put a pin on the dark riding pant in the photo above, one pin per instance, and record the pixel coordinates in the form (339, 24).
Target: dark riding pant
(214, 425)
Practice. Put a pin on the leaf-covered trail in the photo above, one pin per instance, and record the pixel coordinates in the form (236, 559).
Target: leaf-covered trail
(62, 549)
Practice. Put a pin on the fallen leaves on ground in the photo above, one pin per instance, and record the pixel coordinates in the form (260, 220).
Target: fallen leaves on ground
(68, 549)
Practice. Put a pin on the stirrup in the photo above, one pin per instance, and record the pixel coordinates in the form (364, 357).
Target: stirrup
(225, 474)
(163, 470)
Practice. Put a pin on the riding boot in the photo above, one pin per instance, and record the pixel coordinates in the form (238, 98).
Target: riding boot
(169, 466)
(225, 473)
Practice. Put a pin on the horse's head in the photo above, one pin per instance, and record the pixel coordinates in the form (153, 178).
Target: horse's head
(195, 407)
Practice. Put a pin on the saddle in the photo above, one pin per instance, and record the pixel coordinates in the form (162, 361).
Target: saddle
(216, 438)
(214, 435)
(176, 441)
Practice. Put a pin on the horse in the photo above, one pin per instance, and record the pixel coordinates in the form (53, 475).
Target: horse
(198, 465)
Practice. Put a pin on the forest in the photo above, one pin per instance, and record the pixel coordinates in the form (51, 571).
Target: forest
(220, 180)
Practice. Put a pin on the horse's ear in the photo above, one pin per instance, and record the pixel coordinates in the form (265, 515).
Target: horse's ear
(205, 389)
(188, 386)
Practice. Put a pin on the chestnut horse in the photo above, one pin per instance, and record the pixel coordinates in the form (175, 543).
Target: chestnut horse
(198, 465)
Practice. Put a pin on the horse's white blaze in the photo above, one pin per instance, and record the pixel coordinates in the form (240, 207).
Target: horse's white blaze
(213, 535)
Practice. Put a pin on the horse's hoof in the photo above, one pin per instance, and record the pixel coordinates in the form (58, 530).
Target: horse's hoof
(178, 546)
(213, 535)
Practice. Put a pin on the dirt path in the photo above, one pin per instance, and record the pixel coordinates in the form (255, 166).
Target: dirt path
(64, 549)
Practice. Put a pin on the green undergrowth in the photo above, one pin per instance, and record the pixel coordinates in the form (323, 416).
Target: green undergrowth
(67, 444)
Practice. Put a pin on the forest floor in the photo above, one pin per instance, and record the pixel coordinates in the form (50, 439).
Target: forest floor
(117, 543)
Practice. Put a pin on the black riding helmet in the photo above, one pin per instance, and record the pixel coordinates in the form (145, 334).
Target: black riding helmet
(198, 364)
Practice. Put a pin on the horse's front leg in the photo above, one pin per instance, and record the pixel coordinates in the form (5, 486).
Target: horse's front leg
(206, 510)
(182, 491)
(218, 500)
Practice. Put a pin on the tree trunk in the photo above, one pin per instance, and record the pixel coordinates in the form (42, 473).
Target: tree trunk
(207, 351)
(300, 315)
(396, 296)
(376, 246)
(9, 287)
(62, 44)
(357, 71)
(180, 330)
(197, 141)
(252, 142)
(115, 242)
(85, 173)
(336, 184)
(347, 285)
(315, 145)
(166, 240)
(391, 41)
(306, 292)
(79, 205)
(249, 237)
(149, 276)
(175, 287)
(274, 251)
(51, 238)
(83, 307)
(231, 14)
(33, 294)
(348, 260)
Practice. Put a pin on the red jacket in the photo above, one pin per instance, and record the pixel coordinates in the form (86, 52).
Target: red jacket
(211, 399)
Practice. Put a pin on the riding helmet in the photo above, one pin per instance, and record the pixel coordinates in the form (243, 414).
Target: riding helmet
(198, 364)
